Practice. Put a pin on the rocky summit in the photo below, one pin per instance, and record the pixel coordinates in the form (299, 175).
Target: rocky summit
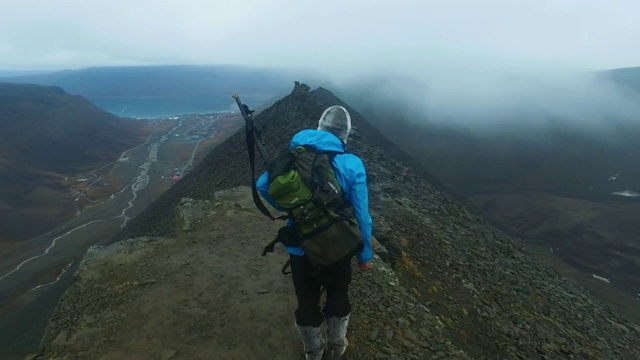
(186, 280)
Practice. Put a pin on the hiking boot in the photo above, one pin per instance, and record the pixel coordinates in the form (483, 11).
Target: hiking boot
(336, 337)
(336, 351)
(313, 342)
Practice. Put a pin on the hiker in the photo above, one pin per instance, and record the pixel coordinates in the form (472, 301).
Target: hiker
(309, 279)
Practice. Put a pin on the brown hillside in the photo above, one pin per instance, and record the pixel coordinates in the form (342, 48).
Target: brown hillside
(46, 136)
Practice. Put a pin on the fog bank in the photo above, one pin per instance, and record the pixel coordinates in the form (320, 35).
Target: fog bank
(492, 100)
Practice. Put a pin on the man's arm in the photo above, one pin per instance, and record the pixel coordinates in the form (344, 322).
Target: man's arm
(359, 199)
(263, 188)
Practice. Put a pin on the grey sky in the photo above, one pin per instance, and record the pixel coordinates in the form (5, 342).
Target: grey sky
(340, 36)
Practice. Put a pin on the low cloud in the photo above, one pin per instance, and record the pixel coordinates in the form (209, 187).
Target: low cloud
(491, 99)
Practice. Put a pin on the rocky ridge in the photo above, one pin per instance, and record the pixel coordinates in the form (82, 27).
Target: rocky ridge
(459, 287)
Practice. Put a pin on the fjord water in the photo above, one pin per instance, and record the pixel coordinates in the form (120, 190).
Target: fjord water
(156, 107)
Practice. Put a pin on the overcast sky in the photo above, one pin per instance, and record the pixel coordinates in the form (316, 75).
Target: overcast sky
(326, 35)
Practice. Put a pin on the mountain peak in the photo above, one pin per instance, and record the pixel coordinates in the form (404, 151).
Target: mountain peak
(300, 87)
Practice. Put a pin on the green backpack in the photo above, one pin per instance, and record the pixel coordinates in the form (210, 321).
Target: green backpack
(304, 183)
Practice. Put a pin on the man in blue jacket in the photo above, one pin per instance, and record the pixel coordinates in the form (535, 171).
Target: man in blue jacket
(332, 135)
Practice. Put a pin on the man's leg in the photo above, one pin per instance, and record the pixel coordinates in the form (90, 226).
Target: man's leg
(308, 314)
(337, 309)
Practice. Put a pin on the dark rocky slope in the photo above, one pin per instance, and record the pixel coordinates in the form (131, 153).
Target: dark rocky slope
(493, 299)
(551, 181)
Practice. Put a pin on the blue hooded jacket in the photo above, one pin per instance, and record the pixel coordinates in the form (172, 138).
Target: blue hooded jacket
(351, 175)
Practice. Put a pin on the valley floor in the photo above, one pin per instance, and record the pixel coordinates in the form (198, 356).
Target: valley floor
(32, 270)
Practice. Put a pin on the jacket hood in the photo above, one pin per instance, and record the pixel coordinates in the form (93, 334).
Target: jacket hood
(321, 140)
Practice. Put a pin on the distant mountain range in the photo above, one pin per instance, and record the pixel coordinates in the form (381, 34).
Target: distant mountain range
(167, 90)
(629, 77)
(47, 135)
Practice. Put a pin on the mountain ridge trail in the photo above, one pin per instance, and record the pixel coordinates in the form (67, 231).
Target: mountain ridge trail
(202, 294)
(206, 294)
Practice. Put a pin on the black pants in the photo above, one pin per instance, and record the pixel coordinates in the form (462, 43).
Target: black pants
(308, 280)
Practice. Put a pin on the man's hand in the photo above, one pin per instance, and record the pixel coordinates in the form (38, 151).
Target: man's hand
(365, 266)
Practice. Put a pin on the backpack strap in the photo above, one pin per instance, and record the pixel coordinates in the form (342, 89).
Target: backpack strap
(287, 235)
(269, 248)
(284, 268)
(251, 137)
